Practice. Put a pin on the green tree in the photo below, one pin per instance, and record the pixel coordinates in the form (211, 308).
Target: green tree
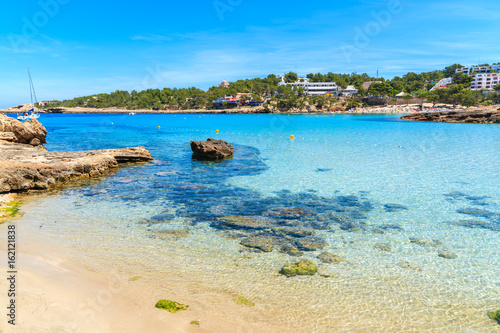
(291, 77)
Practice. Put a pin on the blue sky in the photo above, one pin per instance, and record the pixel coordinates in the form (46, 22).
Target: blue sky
(77, 48)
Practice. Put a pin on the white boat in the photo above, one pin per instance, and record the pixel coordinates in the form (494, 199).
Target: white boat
(33, 112)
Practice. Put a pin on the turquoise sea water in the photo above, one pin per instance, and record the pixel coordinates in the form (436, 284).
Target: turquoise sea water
(387, 195)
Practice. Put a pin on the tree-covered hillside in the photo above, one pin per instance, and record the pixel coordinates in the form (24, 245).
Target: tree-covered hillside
(286, 97)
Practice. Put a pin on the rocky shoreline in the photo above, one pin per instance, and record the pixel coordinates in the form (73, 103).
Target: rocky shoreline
(26, 165)
(478, 116)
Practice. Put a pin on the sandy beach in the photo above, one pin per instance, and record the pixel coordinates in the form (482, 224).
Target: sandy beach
(58, 295)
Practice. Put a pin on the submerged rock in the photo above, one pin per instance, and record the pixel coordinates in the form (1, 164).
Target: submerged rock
(303, 267)
(170, 306)
(383, 247)
(310, 243)
(447, 255)
(425, 242)
(329, 258)
(407, 265)
(289, 212)
(294, 232)
(173, 234)
(394, 207)
(479, 213)
(265, 244)
(291, 250)
(478, 224)
(211, 149)
(246, 222)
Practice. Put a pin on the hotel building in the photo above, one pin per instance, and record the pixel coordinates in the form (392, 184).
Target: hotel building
(312, 88)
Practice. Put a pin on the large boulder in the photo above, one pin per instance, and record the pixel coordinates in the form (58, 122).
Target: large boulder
(211, 149)
(31, 132)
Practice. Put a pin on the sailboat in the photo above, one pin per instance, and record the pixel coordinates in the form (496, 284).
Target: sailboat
(32, 113)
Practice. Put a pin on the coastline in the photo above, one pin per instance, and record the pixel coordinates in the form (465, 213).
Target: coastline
(400, 109)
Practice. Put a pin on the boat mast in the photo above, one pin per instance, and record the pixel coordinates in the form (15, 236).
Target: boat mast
(32, 91)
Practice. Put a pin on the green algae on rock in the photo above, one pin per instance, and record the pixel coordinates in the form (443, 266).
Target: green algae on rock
(243, 301)
(10, 209)
(134, 278)
(494, 315)
(170, 306)
(303, 267)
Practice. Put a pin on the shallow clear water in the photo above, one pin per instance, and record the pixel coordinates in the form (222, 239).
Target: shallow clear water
(386, 195)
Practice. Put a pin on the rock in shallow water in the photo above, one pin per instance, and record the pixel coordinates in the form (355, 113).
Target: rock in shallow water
(447, 255)
(329, 258)
(394, 207)
(211, 149)
(425, 242)
(303, 267)
(383, 247)
(245, 222)
(495, 315)
(291, 250)
(407, 265)
(265, 244)
(310, 243)
(170, 306)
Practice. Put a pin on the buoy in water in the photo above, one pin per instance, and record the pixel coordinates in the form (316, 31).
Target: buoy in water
(292, 136)
(159, 127)
(216, 131)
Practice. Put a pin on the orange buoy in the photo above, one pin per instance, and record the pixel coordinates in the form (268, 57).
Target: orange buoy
(292, 136)
(216, 131)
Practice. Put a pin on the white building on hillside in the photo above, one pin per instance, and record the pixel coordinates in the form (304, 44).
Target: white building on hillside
(350, 91)
(485, 81)
(484, 77)
(478, 69)
(443, 83)
(312, 88)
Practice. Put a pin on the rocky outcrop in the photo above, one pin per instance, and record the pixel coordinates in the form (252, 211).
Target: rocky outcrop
(479, 116)
(31, 132)
(211, 149)
(23, 167)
